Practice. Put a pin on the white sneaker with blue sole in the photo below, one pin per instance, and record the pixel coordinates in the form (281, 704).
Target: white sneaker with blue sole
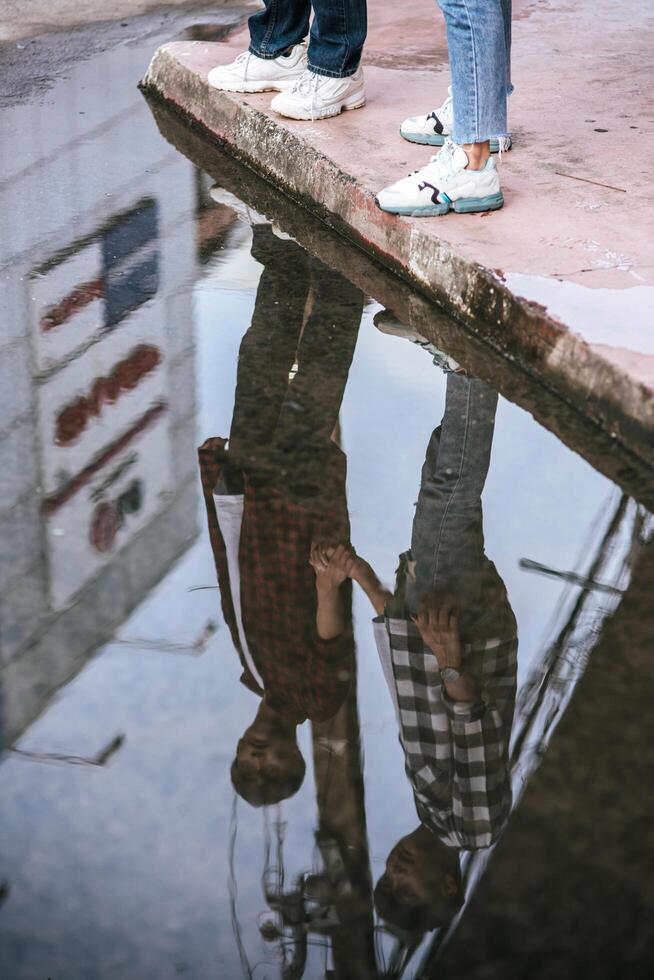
(434, 128)
(444, 184)
(386, 322)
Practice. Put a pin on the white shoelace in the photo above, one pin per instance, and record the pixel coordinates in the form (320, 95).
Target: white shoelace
(441, 164)
(307, 84)
(244, 59)
(446, 110)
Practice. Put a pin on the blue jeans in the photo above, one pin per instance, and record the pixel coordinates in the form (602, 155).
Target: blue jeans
(447, 542)
(337, 37)
(479, 48)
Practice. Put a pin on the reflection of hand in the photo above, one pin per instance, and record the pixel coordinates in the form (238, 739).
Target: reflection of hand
(332, 564)
(438, 623)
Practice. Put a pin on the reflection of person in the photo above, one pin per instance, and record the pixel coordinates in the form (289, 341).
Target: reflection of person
(447, 640)
(271, 498)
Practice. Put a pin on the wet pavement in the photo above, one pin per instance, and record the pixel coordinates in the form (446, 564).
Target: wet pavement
(227, 748)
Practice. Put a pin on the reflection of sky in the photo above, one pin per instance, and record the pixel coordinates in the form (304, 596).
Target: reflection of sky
(125, 869)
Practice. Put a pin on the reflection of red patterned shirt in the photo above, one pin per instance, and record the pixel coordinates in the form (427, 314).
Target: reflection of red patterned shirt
(306, 676)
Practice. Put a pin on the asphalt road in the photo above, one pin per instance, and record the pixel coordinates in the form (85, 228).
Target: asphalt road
(40, 39)
(21, 19)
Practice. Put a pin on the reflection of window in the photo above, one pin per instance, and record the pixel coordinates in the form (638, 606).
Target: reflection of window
(130, 261)
(95, 283)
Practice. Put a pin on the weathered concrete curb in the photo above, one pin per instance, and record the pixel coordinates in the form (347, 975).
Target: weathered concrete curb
(475, 295)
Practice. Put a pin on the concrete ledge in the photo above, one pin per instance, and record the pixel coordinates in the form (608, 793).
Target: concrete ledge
(614, 389)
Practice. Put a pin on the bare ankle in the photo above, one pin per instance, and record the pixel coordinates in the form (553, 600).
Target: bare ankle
(478, 154)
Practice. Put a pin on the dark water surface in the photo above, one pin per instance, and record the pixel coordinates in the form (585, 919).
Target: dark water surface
(147, 311)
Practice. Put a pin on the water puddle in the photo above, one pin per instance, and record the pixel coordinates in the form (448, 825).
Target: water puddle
(359, 690)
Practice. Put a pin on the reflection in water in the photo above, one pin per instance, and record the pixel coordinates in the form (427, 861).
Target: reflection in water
(446, 635)
(175, 796)
(278, 490)
(280, 535)
(447, 639)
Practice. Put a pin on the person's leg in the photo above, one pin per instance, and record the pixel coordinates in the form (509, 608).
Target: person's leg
(276, 58)
(314, 397)
(312, 404)
(462, 177)
(507, 15)
(338, 33)
(447, 537)
(269, 347)
(478, 32)
(334, 79)
(278, 26)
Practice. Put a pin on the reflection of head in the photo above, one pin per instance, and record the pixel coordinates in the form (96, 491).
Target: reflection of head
(421, 887)
(267, 768)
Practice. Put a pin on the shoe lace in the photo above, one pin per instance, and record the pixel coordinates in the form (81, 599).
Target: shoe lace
(442, 163)
(307, 84)
(244, 59)
(446, 109)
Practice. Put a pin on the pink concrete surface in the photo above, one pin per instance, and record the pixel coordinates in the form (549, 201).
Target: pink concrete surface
(577, 67)
(578, 211)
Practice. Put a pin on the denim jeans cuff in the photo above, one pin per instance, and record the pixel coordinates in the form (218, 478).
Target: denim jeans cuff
(329, 73)
(475, 138)
(266, 55)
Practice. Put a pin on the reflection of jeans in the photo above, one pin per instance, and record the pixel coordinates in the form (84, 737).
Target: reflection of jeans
(447, 543)
(338, 32)
(281, 425)
(479, 49)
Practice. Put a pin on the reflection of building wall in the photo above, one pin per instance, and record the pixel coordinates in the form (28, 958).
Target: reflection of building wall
(97, 431)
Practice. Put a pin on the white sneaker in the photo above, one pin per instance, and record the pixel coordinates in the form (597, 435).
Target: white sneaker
(250, 73)
(443, 184)
(318, 96)
(251, 217)
(387, 322)
(219, 195)
(434, 128)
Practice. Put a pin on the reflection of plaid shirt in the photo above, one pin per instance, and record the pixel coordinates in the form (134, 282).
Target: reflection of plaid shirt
(306, 676)
(456, 753)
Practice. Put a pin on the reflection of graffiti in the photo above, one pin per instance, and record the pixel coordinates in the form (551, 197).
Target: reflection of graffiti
(109, 516)
(73, 418)
(130, 261)
(94, 284)
(51, 504)
(76, 300)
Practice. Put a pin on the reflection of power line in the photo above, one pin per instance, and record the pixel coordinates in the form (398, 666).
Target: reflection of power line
(233, 892)
(193, 649)
(571, 577)
(544, 697)
(100, 759)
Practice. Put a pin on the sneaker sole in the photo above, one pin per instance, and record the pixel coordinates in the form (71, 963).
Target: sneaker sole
(251, 88)
(353, 102)
(436, 140)
(465, 205)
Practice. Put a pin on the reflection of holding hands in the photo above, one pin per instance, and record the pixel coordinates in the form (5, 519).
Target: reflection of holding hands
(332, 565)
(438, 624)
